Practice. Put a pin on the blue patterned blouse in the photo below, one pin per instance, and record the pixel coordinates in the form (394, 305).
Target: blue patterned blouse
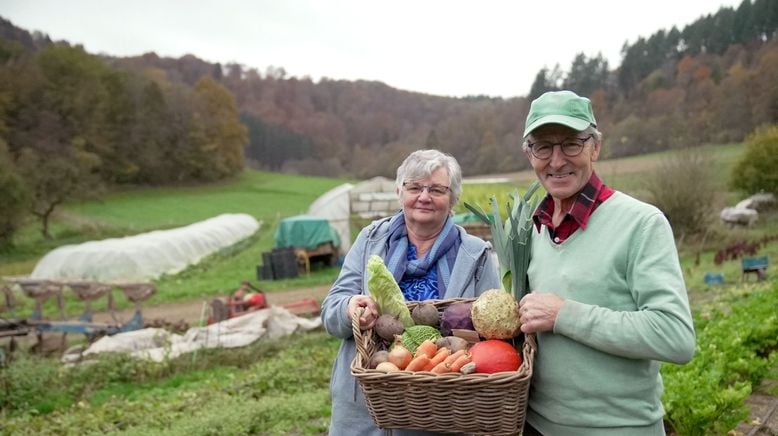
(419, 288)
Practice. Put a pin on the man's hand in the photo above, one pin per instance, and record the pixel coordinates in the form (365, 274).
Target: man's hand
(539, 311)
(370, 313)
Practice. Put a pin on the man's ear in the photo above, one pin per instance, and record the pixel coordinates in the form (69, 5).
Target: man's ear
(596, 150)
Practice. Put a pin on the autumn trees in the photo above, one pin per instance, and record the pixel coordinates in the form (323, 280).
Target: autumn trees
(70, 125)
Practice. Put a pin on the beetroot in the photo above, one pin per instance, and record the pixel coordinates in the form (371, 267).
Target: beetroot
(426, 314)
(456, 316)
(386, 326)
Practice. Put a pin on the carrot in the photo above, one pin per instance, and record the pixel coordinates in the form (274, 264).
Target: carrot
(418, 363)
(441, 368)
(427, 348)
(454, 356)
(439, 357)
(460, 362)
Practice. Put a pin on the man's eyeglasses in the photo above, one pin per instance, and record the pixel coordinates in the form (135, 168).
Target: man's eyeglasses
(418, 188)
(571, 147)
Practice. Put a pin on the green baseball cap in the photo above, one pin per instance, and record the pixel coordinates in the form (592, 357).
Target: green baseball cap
(560, 107)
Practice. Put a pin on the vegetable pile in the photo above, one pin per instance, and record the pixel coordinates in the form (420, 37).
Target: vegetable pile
(427, 340)
(449, 354)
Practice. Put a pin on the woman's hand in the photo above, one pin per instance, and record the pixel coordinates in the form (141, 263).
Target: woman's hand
(370, 314)
(539, 311)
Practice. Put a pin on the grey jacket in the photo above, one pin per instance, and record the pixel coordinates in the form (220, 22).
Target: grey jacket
(474, 272)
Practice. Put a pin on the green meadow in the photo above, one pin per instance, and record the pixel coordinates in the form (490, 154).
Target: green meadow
(282, 387)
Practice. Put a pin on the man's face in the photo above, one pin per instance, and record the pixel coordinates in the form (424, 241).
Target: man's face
(563, 176)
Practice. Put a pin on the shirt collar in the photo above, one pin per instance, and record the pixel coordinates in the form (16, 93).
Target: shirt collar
(581, 209)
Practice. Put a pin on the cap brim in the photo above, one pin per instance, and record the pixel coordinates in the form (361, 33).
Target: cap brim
(571, 122)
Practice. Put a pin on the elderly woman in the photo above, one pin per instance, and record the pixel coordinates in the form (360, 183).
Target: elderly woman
(429, 256)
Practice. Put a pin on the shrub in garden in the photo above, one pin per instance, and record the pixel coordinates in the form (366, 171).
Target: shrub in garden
(757, 169)
(31, 384)
(684, 188)
(41, 385)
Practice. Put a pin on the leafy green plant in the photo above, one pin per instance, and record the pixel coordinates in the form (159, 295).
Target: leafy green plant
(271, 387)
(734, 345)
(31, 385)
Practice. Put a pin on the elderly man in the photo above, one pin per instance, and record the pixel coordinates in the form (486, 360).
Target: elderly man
(608, 300)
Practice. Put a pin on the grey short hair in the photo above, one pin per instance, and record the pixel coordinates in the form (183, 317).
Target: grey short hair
(591, 130)
(422, 163)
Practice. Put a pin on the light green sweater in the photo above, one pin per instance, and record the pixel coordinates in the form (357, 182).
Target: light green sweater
(626, 310)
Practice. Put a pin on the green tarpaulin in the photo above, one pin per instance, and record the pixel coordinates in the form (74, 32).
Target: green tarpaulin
(305, 231)
(464, 219)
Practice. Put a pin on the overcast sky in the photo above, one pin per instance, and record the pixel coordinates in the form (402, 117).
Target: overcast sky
(441, 47)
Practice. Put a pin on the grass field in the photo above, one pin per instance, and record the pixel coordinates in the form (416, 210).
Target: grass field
(270, 387)
(268, 197)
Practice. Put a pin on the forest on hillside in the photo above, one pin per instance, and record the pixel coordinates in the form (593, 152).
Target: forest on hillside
(74, 123)
(710, 82)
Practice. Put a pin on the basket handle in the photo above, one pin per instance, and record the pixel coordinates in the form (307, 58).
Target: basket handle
(529, 350)
(365, 346)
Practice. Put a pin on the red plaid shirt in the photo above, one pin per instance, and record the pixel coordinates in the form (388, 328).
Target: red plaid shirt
(592, 195)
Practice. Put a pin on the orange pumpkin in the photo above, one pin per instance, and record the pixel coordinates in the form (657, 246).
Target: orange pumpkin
(494, 355)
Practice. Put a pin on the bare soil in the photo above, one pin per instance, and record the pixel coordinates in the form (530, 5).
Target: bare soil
(763, 420)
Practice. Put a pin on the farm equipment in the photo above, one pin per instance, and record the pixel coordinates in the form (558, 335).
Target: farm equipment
(248, 298)
(43, 290)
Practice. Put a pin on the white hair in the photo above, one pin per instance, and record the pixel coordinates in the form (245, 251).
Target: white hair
(422, 163)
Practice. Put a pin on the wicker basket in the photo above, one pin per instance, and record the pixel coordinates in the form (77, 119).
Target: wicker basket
(450, 403)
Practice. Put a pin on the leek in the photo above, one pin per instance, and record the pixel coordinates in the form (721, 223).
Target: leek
(511, 237)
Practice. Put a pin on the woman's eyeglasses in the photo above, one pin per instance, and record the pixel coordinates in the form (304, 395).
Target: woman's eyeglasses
(571, 147)
(418, 188)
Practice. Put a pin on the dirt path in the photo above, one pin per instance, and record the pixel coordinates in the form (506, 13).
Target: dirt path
(191, 311)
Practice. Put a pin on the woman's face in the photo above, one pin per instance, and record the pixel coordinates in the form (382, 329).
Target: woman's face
(426, 209)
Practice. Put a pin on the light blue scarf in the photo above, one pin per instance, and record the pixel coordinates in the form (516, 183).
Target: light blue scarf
(443, 253)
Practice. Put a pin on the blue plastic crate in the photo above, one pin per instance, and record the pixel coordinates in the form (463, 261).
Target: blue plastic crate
(714, 278)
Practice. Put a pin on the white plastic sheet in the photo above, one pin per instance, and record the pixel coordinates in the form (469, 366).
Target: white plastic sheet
(159, 344)
(145, 256)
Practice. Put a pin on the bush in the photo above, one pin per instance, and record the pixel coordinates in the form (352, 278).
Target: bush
(32, 385)
(13, 198)
(684, 188)
(756, 170)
